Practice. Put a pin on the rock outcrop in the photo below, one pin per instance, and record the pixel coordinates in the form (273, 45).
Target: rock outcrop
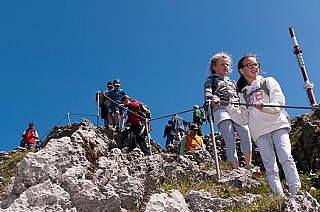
(84, 168)
(306, 142)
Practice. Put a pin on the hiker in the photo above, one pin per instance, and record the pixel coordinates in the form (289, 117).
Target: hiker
(169, 133)
(136, 123)
(191, 141)
(107, 104)
(269, 126)
(116, 114)
(30, 136)
(197, 118)
(179, 126)
(104, 103)
(219, 87)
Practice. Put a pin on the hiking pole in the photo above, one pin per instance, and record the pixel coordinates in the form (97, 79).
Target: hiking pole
(148, 134)
(98, 108)
(298, 52)
(214, 148)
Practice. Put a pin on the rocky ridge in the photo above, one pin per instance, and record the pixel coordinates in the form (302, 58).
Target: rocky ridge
(84, 168)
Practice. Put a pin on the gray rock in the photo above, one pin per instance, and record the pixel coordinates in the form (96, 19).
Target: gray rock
(171, 202)
(79, 168)
(45, 196)
(239, 178)
(301, 203)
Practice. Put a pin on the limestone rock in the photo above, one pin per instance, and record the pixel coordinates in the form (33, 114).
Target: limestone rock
(172, 202)
(83, 168)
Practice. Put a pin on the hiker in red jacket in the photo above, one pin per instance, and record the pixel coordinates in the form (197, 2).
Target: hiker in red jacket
(30, 136)
(136, 123)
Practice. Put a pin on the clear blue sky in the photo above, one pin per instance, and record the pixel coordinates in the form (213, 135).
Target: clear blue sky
(54, 55)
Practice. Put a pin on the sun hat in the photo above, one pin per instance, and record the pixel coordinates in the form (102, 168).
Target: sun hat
(123, 98)
(116, 82)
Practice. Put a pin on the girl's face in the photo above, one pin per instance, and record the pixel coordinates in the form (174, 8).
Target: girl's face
(222, 67)
(250, 69)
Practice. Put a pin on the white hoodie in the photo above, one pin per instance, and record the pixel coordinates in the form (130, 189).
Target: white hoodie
(266, 120)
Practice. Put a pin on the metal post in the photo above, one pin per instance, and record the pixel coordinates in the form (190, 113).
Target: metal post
(214, 148)
(298, 52)
(69, 122)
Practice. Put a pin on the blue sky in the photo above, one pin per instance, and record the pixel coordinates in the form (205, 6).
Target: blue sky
(54, 55)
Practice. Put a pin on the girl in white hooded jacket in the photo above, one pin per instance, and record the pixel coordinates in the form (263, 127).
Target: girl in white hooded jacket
(269, 126)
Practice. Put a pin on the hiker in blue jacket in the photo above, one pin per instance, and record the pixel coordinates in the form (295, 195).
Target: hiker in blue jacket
(114, 111)
(179, 125)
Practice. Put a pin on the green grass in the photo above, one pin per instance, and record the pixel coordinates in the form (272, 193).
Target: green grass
(266, 203)
(308, 181)
(296, 136)
(8, 168)
(186, 184)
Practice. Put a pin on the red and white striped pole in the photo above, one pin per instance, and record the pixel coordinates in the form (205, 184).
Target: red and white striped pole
(298, 52)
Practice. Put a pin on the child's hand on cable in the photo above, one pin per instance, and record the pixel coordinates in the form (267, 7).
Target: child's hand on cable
(258, 105)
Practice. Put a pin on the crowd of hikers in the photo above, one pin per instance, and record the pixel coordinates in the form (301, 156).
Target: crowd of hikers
(120, 112)
(240, 107)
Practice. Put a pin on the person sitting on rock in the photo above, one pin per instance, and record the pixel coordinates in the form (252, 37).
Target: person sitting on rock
(191, 141)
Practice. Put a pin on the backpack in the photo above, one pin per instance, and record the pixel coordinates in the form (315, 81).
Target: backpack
(203, 116)
(214, 82)
(144, 110)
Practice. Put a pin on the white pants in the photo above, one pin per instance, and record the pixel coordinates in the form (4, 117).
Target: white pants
(227, 129)
(278, 141)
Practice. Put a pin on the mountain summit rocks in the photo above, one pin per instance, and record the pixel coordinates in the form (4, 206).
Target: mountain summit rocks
(84, 168)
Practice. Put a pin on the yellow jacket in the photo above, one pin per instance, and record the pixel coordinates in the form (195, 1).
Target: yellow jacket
(190, 142)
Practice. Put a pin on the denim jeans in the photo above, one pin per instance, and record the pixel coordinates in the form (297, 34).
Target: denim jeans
(170, 139)
(278, 142)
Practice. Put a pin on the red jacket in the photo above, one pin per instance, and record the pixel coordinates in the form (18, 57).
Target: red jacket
(30, 136)
(133, 106)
